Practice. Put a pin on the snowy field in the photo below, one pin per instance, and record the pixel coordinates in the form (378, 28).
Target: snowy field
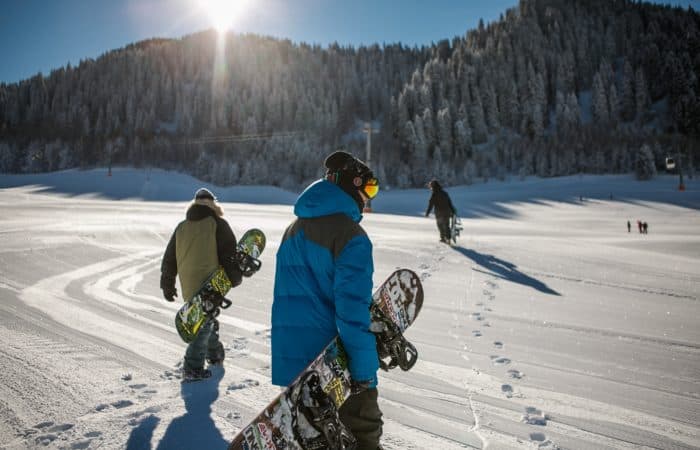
(548, 325)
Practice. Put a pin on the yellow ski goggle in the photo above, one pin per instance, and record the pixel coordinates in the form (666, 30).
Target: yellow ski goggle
(371, 187)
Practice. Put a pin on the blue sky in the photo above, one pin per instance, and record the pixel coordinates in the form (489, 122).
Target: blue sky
(41, 35)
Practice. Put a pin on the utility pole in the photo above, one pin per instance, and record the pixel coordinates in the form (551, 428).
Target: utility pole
(369, 130)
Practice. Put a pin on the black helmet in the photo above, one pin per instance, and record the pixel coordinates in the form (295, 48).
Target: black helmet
(351, 175)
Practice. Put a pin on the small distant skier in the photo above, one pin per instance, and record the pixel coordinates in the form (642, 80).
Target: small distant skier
(639, 225)
(645, 227)
(629, 226)
(199, 245)
(323, 288)
(444, 209)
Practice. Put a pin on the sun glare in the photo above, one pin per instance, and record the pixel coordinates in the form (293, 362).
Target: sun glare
(222, 13)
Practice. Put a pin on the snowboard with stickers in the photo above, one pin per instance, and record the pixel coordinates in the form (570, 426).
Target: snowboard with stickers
(305, 415)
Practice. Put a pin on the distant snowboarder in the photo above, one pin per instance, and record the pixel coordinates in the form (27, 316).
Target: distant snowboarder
(198, 246)
(444, 209)
(629, 226)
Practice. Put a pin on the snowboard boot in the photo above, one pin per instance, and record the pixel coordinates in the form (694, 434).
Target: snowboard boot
(189, 375)
(217, 357)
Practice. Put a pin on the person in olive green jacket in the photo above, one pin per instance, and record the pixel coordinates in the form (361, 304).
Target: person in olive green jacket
(200, 244)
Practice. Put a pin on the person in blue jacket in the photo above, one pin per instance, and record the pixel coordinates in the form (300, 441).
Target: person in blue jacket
(323, 288)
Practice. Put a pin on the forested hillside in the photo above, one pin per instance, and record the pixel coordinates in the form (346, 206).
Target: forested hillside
(554, 87)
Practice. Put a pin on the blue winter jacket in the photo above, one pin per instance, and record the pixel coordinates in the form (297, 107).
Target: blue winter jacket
(323, 286)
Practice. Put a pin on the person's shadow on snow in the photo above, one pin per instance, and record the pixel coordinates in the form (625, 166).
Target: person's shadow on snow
(506, 270)
(196, 428)
(141, 435)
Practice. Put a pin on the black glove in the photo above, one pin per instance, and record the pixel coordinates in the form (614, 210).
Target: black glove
(359, 386)
(169, 294)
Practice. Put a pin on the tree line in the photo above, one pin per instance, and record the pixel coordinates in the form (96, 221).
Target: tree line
(553, 87)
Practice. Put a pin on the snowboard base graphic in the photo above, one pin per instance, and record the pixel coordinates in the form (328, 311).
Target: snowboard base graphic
(210, 296)
(305, 414)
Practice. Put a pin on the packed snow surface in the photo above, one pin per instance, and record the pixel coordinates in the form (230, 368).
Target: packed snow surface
(548, 324)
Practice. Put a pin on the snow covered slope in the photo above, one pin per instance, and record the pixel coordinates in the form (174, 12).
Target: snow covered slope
(548, 325)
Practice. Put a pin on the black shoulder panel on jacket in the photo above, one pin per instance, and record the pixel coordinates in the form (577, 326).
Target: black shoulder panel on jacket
(331, 232)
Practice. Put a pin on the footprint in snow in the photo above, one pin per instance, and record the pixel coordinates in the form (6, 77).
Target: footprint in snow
(515, 374)
(137, 386)
(80, 445)
(498, 344)
(35, 429)
(61, 428)
(539, 437)
(170, 375)
(117, 405)
(51, 431)
(239, 347)
(534, 416)
(45, 439)
(425, 275)
(507, 389)
(499, 360)
(266, 333)
(242, 385)
(476, 316)
(476, 333)
(149, 410)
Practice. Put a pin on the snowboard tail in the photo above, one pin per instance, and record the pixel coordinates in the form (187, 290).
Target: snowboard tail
(455, 228)
(305, 415)
(210, 298)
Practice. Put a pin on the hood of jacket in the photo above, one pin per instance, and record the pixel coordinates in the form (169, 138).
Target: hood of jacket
(198, 212)
(323, 198)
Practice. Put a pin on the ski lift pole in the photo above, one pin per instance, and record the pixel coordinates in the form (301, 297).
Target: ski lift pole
(369, 130)
(681, 185)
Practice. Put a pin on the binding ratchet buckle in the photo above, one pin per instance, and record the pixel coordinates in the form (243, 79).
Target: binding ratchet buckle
(392, 345)
(320, 412)
(246, 263)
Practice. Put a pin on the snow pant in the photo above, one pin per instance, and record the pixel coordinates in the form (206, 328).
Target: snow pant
(205, 345)
(361, 414)
(443, 224)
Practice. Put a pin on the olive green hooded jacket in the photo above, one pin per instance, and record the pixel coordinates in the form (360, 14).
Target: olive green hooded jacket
(198, 246)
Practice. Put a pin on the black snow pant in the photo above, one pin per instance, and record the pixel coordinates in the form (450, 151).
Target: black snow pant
(361, 414)
(443, 224)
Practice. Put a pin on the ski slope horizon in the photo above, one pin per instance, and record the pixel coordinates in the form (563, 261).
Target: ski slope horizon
(548, 325)
(483, 198)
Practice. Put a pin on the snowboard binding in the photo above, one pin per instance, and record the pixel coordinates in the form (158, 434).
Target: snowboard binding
(393, 346)
(320, 412)
(213, 303)
(247, 264)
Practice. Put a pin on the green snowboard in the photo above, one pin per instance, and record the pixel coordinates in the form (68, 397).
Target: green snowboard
(210, 296)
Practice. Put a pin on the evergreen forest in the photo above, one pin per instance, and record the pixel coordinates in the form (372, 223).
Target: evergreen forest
(552, 88)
